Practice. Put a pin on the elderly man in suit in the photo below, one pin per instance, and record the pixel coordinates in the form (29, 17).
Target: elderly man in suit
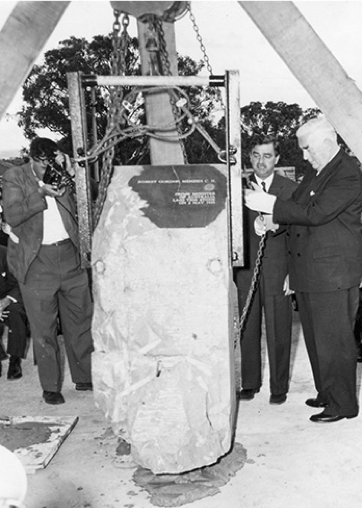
(271, 294)
(43, 254)
(12, 313)
(325, 253)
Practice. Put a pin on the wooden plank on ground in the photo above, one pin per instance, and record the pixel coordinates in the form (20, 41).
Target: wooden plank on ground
(40, 446)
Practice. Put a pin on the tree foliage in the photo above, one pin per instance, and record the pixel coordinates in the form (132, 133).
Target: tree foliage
(46, 105)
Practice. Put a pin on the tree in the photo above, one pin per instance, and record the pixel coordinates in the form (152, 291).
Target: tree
(280, 120)
(46, 102)
(45, 92)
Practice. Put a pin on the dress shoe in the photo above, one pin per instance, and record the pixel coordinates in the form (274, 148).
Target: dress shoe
(315, 403)
(14, 371)
(326, 418)
(83, 387)
(278, 399)
(53, 397)
(247, 393)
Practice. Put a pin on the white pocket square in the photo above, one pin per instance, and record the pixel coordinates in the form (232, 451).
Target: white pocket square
(312, 192)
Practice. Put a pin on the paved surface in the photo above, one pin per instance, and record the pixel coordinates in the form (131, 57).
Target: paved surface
(291, 462)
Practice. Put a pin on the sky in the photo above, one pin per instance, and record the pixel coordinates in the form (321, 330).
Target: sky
(232, 41)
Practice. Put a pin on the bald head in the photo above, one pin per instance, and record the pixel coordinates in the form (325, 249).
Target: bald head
(318, 141)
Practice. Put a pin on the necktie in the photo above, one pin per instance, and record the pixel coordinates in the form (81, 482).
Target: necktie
(263, 185)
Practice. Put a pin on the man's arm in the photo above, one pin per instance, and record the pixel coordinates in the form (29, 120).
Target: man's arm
(21, 200)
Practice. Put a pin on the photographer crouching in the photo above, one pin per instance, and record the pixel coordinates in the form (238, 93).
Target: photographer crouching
(43, 254)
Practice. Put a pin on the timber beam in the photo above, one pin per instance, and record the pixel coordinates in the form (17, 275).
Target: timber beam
(22, 38)
(313, 64)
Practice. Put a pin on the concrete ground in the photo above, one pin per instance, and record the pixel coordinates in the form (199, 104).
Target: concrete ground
(292, 462)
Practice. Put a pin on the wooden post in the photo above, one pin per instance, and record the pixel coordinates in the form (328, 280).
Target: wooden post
(315, 67)
(158, 106)
(22, 38)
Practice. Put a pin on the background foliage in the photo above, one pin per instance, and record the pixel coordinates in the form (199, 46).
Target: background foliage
(46, 105)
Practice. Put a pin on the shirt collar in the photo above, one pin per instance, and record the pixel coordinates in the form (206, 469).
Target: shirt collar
(268, 181)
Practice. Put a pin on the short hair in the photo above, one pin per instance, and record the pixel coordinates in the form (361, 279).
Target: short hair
(264, 139)
(319, 125)
(42, 147)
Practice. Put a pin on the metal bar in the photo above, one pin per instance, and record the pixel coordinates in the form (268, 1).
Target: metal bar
(94, 132)
(79, 138)
(233, 153)
(92, 80)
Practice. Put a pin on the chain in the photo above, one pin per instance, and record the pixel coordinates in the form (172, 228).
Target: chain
(118, 66)
(253, 287)
(199, 38)
(203, 50)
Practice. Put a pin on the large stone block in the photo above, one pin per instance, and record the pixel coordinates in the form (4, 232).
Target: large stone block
(164, 304)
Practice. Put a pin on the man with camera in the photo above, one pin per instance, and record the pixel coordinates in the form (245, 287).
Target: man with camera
(43, 254)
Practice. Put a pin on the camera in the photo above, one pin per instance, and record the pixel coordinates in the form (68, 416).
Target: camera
(58, 176)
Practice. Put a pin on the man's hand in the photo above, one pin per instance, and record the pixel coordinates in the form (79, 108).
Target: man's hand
(4, 303)
(64, 160)
(50, 190)
(259, 200)
(264, 223)
(286, 288)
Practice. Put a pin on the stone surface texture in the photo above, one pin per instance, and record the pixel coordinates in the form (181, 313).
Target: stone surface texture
(163, 327)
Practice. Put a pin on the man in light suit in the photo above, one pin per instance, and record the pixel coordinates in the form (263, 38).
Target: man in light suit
(271, 294)
(325, 254)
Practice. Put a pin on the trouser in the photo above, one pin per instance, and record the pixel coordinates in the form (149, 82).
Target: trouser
(328, 320)
(56, 285)
(278, 327)
(17, 333)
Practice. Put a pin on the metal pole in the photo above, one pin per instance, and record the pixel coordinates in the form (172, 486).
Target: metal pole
(92, 80)
(234, 161)
(79, 137)
(94, 131)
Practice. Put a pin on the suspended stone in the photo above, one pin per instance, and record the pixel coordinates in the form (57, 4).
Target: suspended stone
(164, 309)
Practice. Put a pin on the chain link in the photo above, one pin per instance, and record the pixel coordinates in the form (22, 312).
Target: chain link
(253, 286)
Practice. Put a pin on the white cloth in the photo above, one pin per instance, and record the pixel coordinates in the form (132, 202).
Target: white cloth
(54, 230)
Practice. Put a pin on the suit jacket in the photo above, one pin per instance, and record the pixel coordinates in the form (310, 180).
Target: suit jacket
(275, 259)
(8, 284)
(325, 241)
(23, 207)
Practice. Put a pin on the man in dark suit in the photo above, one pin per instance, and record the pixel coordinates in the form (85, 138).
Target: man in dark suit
(325, 253)
(43, 254)
(12, 313)
(271, 293)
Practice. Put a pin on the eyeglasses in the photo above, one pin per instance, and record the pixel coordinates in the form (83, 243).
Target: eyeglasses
(41, 159)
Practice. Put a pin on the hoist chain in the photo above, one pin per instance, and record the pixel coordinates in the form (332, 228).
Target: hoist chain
(199, 38)
(253, 287)
(203, 49)
(118, 65)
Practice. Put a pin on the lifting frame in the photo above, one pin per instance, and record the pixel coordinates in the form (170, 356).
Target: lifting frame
(76, 83)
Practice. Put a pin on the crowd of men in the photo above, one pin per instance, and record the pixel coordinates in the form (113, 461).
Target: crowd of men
(313, 251)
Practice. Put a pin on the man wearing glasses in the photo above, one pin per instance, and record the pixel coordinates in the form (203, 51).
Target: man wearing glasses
(43, 254)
